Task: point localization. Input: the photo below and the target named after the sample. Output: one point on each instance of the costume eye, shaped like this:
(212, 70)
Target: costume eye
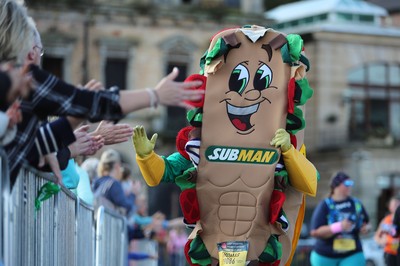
(239, 79)
(263, 78)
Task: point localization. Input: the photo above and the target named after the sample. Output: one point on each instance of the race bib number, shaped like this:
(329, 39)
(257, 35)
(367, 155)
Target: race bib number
(394, 246)
(344, 244)
(233, 253)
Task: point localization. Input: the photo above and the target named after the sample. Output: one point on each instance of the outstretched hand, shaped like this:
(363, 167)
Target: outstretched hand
(85, 144)
(171, 92)
(113, 133)
(142, 144)
(282, 140)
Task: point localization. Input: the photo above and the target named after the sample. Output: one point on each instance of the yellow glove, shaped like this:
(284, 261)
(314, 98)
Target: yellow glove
(142, 144)
(282, 140)
(150, 164)
(302, 173)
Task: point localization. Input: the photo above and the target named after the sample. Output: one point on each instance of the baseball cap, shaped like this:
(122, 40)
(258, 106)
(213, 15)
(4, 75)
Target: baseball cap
(339, 178)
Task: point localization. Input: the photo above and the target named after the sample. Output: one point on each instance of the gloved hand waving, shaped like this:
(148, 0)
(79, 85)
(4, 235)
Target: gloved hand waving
(142, 144)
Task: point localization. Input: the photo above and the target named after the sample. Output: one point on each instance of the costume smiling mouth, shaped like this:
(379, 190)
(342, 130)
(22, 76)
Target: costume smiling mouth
(240, 116)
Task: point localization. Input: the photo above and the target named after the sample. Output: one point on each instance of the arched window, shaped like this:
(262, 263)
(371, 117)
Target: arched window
(374, 94)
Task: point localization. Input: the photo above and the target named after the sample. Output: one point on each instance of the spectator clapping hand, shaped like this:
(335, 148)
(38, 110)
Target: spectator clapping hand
(113, 133)
(85, 144)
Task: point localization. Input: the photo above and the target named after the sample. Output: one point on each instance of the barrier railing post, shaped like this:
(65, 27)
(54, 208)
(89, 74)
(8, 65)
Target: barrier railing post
(99, 246)
(85, 233)
(4, 217)
(111, 238)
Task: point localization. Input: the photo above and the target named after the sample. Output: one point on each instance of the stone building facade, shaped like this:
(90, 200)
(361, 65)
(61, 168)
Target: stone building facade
(133, 44)
(353, 119)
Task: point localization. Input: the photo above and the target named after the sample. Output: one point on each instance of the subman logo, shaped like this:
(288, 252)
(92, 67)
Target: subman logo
(241, 155)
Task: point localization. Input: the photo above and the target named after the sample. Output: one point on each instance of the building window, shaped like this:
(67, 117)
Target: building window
(345, 16)
(304, 21)
(177, 51)
(176, 116)
(375, 101)
(116, 59)
(366, 18)
(115, 72)
(57, 58)
(54, 65)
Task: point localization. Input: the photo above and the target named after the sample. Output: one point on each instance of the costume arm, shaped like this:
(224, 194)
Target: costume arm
(152, 167)
(301, 172)
(157, 168)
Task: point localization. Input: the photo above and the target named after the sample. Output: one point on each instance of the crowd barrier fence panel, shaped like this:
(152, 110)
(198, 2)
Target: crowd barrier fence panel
(86, 234)
(111, 238)
(62, 233)
(65, 232)
(4, 197)
(146, 246)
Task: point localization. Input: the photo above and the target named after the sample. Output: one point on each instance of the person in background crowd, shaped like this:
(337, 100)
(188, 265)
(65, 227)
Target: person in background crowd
(129, 184)
(90, 166)
(177, 239)
(396, 233)
(336, 223)
(384, 234)
(108, 185)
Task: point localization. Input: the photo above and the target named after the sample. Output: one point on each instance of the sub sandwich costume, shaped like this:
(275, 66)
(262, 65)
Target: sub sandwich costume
(241, 163)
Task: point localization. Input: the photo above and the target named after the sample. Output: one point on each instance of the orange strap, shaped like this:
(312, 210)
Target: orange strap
(297, 230)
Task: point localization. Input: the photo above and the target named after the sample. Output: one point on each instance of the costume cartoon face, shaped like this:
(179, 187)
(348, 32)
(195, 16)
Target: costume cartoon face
(253, 91)
(247, 95)
(245, 103)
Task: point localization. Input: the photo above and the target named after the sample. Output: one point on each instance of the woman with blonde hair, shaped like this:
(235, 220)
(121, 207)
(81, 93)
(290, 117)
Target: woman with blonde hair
(109, 186)
(16, 34)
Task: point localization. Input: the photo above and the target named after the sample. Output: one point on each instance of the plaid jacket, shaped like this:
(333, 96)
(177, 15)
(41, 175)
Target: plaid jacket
(55, 97)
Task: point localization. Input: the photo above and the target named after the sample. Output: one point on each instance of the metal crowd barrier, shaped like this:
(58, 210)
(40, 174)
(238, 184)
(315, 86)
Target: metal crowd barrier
(111, 238)
(86, 236)
(4, 190)
(63, 232)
